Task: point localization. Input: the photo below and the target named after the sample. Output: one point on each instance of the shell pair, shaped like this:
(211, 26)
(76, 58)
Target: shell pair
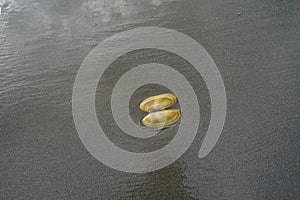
(158, 117)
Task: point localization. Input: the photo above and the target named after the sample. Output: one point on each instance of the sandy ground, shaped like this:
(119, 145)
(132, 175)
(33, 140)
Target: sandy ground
(255, 45)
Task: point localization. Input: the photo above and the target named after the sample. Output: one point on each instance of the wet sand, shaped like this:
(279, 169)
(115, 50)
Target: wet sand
(255, 45)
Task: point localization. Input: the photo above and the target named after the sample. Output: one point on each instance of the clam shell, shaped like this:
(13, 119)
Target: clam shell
(158, 102)
(161, 119)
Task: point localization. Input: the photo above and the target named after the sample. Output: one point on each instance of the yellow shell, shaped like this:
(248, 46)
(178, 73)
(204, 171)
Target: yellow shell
(158, 102)
(161, 119)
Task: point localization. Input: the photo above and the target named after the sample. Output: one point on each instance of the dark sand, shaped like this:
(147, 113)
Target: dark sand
(256, 46)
